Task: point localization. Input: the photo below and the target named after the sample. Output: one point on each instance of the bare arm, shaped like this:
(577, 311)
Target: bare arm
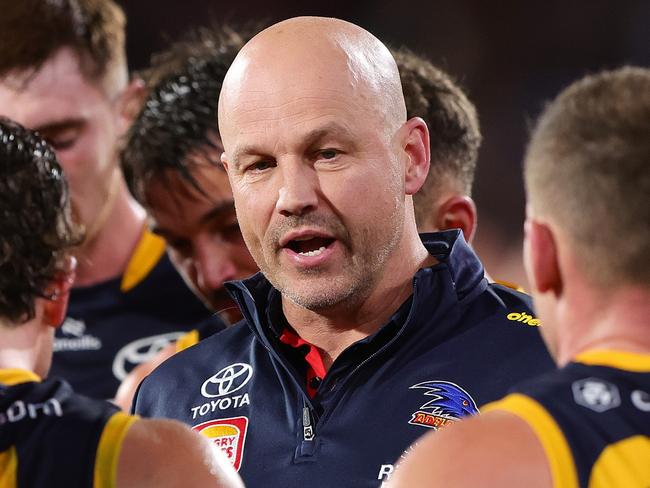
(496, 449)
(166, 453)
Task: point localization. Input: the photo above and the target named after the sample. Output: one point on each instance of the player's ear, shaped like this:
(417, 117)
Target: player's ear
(130, 103)
(55, 307)
(541, 258)
(224, 160)
(458, 212)
(416, 147)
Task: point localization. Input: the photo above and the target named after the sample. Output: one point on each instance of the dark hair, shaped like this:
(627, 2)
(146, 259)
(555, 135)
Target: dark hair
(588, 168)
(454, 130)
(179, 116)
(31, 31)
(35, 226)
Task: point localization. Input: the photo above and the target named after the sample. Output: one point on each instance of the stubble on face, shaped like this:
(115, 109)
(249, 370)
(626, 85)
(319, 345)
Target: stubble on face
(366, 250)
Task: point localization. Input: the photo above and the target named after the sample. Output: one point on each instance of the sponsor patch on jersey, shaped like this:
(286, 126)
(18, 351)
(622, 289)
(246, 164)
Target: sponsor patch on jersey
(641, 400)
(523, 318)
(73, 337)
(227, 434)
(596, 394)
(227, 380)
(140, 351)
(449, 403)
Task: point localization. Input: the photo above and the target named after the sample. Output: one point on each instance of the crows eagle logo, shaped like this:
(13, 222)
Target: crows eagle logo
(448, 400)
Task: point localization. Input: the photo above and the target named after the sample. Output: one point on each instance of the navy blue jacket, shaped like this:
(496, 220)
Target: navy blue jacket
(459, 342)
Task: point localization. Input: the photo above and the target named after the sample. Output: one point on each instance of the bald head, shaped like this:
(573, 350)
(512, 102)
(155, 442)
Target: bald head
(306, 55)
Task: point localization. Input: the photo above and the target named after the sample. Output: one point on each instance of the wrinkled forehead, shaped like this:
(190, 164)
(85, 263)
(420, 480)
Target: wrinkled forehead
(259, 111)
(310, 73)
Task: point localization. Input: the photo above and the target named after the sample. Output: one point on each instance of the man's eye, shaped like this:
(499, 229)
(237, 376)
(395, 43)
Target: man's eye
(328, 153)
(60, 143)
(260, 166)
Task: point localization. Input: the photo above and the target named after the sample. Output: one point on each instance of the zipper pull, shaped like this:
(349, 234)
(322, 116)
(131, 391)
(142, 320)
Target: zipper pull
(307, 429)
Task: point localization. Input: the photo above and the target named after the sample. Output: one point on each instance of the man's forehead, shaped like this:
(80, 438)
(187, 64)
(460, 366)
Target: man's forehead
(50, 96)
(294, 113)
(206, 182)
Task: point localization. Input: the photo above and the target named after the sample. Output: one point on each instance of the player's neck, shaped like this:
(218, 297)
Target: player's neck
(20, 345)
(618, 321)
(334, 329)
(108, 253)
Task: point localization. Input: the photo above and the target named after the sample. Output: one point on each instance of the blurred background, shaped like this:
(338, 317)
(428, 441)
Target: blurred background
(510, 56)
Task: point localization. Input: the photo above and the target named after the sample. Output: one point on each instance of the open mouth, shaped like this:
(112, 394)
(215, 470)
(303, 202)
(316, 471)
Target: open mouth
(309, 246)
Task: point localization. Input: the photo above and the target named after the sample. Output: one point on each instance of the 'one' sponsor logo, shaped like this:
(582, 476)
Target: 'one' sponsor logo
(524, 318)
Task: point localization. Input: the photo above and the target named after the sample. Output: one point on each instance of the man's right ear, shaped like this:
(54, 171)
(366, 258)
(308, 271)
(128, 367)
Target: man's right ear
(224, 160)
(541, 258)
(130, 103)
(458, 212)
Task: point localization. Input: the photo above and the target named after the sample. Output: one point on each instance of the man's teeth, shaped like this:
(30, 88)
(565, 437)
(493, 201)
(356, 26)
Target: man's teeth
(315, 252)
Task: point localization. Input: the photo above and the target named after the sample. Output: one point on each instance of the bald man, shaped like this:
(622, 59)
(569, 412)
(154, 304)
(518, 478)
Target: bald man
(586, 424)
(358, 336)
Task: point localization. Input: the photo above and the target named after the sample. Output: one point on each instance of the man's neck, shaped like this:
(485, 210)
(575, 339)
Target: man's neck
(20, 345)
(617, 320)
(108, 252)
(336, 328)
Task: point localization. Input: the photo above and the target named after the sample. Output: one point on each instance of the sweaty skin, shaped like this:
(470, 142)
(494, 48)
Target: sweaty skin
(322, 168)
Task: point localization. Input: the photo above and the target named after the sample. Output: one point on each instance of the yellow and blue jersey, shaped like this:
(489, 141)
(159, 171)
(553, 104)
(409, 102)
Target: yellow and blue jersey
(592, 418)
(49, 436)
(115, 325)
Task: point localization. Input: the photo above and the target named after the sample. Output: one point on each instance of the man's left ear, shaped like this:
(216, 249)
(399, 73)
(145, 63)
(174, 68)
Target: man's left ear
(129, 104)
(541, 258)
(458, 212)
(56, 306)
(416, 147)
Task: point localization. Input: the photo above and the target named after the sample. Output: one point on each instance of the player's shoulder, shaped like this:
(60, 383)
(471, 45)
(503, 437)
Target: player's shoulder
(192, 462)
(571, 384)
(504, 306)
(58, 399)
(433, 459)
(511, 295)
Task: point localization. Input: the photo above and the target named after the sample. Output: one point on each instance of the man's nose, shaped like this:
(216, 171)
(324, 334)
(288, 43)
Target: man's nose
(298, 193)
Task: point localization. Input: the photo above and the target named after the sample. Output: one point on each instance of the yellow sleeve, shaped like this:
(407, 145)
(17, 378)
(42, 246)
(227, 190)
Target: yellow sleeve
(187, 340)
(9, 468)
(109, 448)
(555, 445)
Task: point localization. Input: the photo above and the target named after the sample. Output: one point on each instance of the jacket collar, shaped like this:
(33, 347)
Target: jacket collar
(254, 295)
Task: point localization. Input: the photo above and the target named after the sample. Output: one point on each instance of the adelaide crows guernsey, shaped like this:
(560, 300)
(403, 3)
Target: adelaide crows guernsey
(592, 418)
(50, 436)
(455, 344)
(115, 325)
